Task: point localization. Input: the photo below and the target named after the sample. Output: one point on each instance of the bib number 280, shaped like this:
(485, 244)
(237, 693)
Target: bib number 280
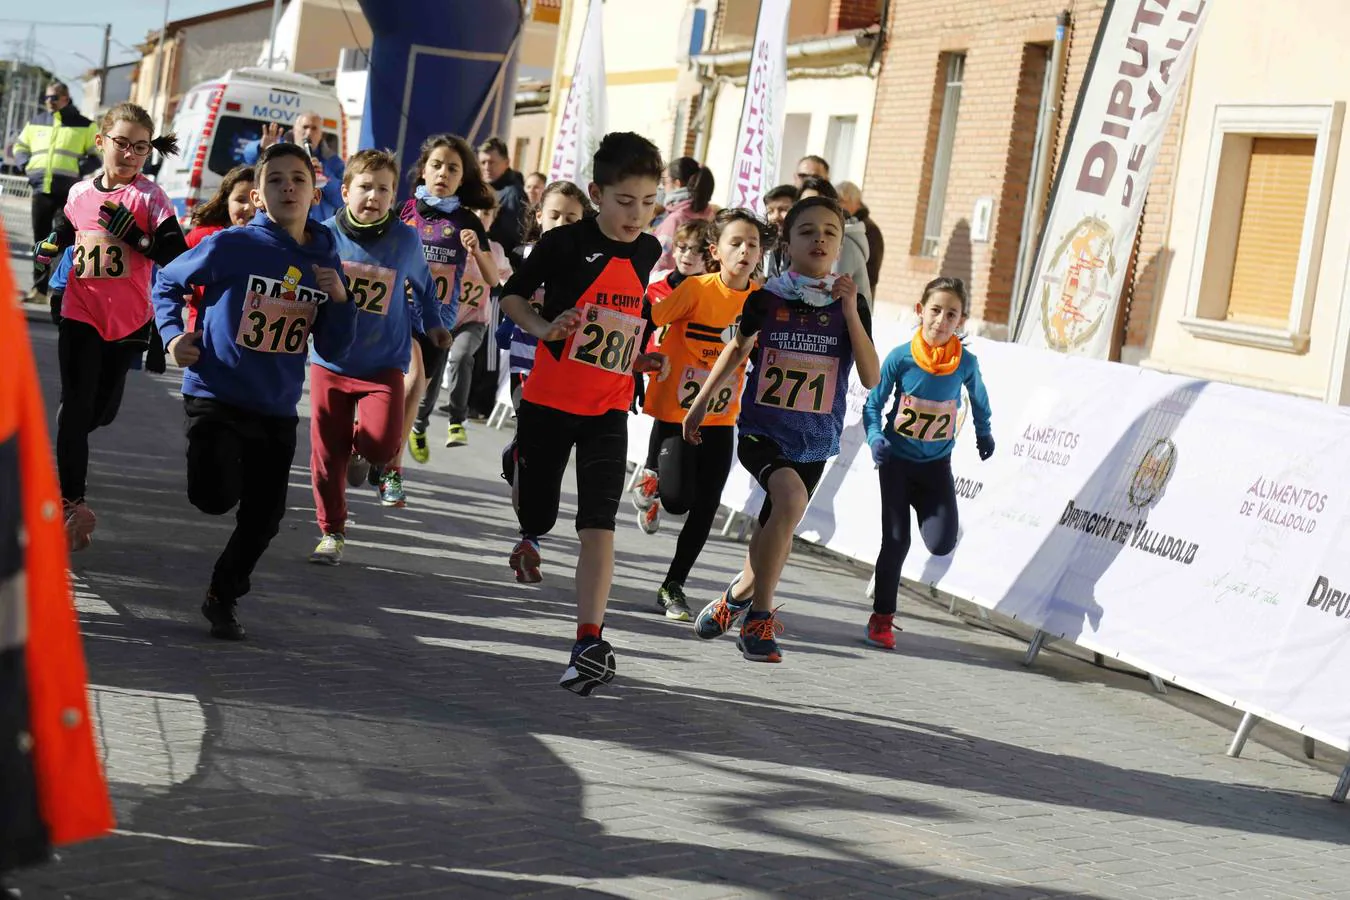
(608, 340)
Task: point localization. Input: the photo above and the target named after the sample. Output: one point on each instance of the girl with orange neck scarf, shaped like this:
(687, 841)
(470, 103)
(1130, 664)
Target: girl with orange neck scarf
(912, 420)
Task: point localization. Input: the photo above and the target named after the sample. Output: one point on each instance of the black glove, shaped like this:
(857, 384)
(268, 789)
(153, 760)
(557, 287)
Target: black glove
(44, 252)
(54, 301)
(985, 443)
(119, 221)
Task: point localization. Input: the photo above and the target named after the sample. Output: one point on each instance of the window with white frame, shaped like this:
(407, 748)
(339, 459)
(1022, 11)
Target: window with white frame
(1263, 216)
(839, 146)
(942, 154)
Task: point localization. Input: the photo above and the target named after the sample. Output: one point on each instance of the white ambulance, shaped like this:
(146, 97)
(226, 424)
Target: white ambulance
(217, 119)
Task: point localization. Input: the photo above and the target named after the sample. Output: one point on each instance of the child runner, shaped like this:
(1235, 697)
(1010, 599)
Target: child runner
(811, 331)
(700, 319)
(382, 259)
(232, 205)
(590, 330)
(268, 288)
(475, 308)
(120, 224)
(691, 247)
(912, 441)
(448, 185)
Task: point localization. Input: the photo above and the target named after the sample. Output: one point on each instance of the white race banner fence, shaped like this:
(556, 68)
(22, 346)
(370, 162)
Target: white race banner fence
(1197, 531)
(759, 140)
(585, 111)
(1143, 51)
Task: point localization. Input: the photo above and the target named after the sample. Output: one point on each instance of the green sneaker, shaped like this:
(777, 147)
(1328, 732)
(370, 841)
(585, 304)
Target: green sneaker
(391, 489)
(457, 436)
(329, 551)
(670, 598)
(418, 448)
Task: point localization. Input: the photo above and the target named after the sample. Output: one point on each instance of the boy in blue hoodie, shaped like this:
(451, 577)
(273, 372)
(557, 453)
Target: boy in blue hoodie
(380, 255)
(268, 287)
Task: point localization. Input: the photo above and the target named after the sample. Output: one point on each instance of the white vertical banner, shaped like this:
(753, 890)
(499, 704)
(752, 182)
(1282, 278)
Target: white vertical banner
(759, 140)
(583, 119)
(1142, 54)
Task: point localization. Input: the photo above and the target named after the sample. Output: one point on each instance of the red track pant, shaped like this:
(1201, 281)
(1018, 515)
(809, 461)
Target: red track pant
(337, 401)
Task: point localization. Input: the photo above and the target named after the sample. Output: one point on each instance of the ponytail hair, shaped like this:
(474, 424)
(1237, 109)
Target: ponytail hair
(165, 144)
(696, 178)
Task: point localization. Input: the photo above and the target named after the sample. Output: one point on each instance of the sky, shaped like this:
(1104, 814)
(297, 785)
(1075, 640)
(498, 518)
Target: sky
(61, 48)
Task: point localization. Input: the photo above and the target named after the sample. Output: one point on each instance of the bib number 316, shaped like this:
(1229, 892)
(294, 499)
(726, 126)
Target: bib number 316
(608, 340)
(274, 325)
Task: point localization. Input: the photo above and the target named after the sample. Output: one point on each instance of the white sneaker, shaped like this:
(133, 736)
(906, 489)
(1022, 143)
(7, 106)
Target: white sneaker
(329, 551)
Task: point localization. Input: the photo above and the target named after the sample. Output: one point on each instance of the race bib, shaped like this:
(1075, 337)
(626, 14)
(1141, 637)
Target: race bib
(98, 254)
(371, 287)
(925, 420)
(801, 382)
(274, 325)
(472, 293)
(692, 381)
(608, 340)
(444, 274)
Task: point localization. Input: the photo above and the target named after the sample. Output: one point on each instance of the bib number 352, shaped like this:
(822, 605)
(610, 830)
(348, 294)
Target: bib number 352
(371, 286)
(274, 325)
(801, 382)
(608, 340)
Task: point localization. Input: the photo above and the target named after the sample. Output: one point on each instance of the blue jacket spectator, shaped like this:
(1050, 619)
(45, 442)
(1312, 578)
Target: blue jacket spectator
(329, 167)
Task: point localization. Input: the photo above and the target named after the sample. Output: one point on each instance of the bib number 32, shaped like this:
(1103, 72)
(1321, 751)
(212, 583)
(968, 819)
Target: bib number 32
(608, 340)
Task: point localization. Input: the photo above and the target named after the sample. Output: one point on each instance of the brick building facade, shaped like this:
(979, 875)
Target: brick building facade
(992, 56)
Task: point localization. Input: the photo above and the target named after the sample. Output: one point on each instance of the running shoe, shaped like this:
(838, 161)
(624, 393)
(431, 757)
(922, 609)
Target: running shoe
(671, 600)
(358, 470)
(456, 436)
(881, 631)
(223, 618)
(80, 523)
(758, 640)
(509, 463)
(525, 561)
(391, 489)
(715, 619)
(329, 551)
(418, 448)
(592, 665)
(646, 491)
(374, 476)
(649, 519)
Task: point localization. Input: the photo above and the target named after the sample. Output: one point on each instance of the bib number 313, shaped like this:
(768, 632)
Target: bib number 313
(801, 382)
(98, 255)
(608, 340)
(274, 325)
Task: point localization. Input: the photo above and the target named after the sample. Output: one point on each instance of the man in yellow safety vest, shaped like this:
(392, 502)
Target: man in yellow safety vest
(55, 150)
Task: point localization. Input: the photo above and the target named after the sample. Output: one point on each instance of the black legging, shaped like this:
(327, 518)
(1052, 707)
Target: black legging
(692, 478)
(929, 488)
(93, 377)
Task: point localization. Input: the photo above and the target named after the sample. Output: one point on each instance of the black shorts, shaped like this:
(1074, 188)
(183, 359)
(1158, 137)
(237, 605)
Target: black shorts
(544, 440)
(761, 457)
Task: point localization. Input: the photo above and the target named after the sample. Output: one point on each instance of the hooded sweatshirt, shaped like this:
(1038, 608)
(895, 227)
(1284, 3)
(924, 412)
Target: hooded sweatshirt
(379, 260)
(260, 305)
(853, 256)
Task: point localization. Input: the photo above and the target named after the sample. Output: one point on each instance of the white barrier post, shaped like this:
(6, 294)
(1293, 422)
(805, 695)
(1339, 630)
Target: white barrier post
(1240, 736)
(1342, 786)
(1158, 686)
(1034, 648)
(1309, 747)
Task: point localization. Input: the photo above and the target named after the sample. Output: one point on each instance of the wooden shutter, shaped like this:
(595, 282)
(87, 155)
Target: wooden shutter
(1271, 230)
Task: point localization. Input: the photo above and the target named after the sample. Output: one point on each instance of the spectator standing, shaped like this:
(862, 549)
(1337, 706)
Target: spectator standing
(328, 166)
(55, 150)
(510, 187)
(851, 199)
(688, 190)
(811, 167)
(535, 182)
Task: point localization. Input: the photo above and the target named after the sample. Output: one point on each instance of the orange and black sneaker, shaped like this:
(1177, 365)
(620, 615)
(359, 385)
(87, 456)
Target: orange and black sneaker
(881, 631)
(646, 491)
(525, 561)
(758, 640)
(716, 619)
